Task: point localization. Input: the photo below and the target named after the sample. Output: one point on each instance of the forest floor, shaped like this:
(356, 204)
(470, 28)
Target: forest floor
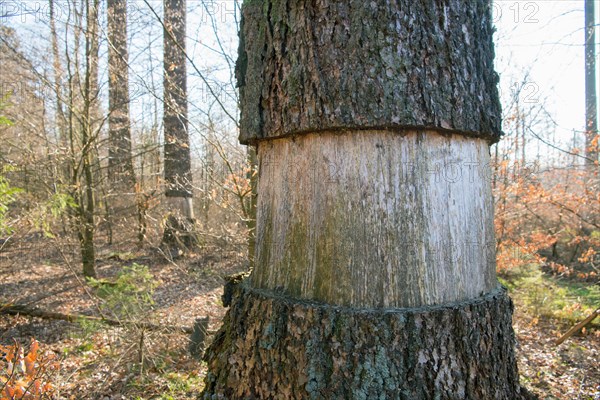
(99, 362)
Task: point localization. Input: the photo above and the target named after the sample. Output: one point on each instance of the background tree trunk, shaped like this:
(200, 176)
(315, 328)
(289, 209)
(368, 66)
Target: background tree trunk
(375, 262)
(591, 99)
(179, 228)
(87, 203)
(61, 122)
(120, 165)
(121, 199)
(93, 31)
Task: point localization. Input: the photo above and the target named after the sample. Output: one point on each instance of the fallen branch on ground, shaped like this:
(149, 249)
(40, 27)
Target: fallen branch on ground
(579, 326)
(19, 309)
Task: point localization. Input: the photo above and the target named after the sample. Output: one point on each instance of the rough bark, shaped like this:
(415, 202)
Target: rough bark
(179, 227)
(120, 164)
(308, 66)
(178, 175)
(274, 347)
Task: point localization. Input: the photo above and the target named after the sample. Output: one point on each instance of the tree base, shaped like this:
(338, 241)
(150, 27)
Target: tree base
(180, 235)
(274, 347)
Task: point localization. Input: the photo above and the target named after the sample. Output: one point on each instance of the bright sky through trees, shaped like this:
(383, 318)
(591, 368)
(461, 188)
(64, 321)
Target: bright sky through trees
(539, 45)
(542, 43)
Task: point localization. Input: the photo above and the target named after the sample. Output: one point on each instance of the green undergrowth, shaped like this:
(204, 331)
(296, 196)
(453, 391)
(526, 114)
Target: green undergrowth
(549, 297)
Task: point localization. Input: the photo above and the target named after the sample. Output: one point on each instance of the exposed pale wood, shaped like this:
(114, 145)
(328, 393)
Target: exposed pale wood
(180, 233)
(375, 219)
(184, 206)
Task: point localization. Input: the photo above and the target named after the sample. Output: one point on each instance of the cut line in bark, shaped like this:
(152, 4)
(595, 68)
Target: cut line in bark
(400, 130)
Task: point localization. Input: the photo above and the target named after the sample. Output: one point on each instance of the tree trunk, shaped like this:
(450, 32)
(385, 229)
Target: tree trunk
(375, 258)
(282, 348)
(61, 168)
(61, 122)
(87, 203)
(121, 175)
(179, 226)
(591, 99)
(93, 8)
(120, 165)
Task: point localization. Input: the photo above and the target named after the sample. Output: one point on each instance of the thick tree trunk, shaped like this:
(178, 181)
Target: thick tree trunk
(375, 261)
(179, 226)
(274, 347)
